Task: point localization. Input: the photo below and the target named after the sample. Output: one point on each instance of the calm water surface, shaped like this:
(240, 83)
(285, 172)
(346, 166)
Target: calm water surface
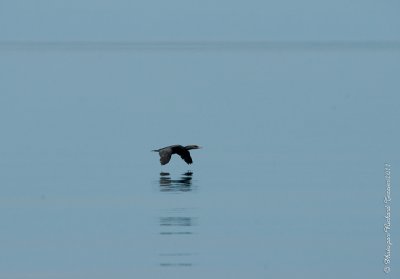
(289, 183)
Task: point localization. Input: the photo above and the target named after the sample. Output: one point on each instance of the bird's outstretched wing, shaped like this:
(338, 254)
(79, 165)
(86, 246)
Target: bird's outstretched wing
(185, 155)
(165, 156)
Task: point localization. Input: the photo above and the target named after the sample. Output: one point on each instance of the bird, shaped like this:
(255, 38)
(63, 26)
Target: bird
(183, 151)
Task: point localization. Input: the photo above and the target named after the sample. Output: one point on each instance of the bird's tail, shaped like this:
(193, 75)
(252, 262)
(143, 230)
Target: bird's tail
(156, 150)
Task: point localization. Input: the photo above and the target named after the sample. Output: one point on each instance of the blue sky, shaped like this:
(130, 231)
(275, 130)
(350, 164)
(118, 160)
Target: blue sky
(199, 20)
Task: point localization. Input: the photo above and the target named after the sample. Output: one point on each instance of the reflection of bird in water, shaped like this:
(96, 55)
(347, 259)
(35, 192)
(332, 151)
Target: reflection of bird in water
(183, 151)
(183, 184)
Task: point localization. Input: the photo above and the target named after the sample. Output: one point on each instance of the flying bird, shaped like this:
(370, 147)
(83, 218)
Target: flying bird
(183, 151)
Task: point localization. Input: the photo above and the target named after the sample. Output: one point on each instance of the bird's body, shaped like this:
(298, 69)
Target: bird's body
(183, 151)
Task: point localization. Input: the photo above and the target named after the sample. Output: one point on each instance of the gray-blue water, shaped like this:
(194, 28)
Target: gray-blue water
(289, 183)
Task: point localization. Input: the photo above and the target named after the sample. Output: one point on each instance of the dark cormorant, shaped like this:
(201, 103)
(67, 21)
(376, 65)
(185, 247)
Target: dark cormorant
(183, 151)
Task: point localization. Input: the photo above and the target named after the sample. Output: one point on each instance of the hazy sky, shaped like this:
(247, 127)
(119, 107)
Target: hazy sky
(199, 20)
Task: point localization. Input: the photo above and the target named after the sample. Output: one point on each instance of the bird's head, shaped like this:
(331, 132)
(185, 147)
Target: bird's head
(189, 147)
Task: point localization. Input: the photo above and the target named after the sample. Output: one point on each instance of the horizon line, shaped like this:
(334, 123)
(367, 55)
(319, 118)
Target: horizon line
(199, 45)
